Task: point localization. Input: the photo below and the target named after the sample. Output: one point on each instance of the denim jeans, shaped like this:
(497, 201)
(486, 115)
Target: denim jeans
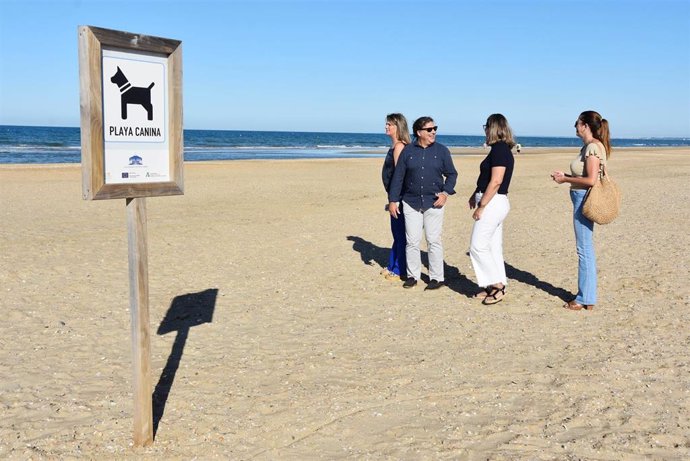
(584, 243)
(397, 262)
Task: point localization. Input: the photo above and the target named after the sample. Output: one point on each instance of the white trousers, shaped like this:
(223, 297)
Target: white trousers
(486, 243)
(431, 222)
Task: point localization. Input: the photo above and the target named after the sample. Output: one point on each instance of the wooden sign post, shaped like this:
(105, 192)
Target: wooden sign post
(132, 148)
(139, 313)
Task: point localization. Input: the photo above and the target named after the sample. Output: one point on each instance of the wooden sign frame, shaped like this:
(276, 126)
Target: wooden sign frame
(92, 41)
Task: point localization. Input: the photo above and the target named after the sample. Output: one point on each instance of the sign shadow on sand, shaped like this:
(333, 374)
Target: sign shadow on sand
(186, 311)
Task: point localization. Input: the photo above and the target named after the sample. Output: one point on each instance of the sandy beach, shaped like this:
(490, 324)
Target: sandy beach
(274, 337)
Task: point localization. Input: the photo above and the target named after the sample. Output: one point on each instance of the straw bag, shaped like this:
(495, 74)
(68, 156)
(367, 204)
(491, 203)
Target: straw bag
(603, 200)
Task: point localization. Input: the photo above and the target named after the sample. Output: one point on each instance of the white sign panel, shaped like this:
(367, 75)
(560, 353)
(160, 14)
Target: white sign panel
(135, 125)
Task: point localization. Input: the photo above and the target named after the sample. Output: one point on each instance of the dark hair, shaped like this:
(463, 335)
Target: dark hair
(599, 127)
(419, 123)
(400, 123)
(497, 129)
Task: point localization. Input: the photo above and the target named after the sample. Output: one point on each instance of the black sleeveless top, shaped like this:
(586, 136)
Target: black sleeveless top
(388, 169)
(499, 155)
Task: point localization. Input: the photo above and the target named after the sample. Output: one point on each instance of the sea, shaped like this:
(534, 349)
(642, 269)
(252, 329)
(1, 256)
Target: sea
(36, 144)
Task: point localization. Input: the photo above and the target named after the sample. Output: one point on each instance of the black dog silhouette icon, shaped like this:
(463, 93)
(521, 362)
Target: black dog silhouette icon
(132, 94)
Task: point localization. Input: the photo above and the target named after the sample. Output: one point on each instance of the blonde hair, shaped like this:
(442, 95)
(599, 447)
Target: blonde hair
(400, 122)
(497, 129)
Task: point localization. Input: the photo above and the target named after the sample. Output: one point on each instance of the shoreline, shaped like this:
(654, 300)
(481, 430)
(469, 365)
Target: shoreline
(455, 151)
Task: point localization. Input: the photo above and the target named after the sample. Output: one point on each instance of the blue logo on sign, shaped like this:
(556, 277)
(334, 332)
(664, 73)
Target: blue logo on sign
(125, 175)
(136, 160)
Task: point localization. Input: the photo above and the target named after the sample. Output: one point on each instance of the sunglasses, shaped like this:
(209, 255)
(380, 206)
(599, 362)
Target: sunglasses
(430, 129)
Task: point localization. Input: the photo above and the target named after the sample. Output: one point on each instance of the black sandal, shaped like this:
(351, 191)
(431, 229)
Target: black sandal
(493, 295)
(481, 294)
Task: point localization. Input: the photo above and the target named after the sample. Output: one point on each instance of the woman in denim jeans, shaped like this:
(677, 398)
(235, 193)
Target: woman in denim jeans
(584, 171)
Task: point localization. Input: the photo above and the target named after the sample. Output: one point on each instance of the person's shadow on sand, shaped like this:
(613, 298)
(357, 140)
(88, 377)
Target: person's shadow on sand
(372, 254)
(185, 312)
(530, 279)
(459, 282)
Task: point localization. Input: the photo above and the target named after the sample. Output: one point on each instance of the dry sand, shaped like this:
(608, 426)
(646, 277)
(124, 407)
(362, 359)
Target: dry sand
(304, 351)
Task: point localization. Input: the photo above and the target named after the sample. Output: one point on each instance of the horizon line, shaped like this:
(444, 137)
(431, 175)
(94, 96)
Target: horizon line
(362, 132)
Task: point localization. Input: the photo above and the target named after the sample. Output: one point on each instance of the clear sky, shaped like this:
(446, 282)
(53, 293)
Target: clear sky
(336, 65)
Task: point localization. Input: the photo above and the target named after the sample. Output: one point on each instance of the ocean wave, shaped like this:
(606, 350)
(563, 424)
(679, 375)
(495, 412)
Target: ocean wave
(23, 144)
(286, 148)
(39, 146)
(248, 148)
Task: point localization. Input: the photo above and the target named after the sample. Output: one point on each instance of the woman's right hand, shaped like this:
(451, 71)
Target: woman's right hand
(558, 177)
(393, 209)
(472, 201)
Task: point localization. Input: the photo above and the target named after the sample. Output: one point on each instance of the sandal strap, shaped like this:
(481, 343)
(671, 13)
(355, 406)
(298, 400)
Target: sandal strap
(495, 290)
(493, 294)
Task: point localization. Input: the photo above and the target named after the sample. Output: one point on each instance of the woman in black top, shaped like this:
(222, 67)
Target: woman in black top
(396, 129)
(491, 206)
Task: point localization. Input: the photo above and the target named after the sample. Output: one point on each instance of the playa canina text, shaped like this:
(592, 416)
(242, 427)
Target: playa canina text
(135, 131)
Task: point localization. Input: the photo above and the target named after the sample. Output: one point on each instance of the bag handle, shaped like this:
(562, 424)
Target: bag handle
(602, 170)
(602, 166)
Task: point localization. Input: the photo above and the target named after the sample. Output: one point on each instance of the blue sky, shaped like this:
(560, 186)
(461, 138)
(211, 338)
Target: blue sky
(335, 65)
